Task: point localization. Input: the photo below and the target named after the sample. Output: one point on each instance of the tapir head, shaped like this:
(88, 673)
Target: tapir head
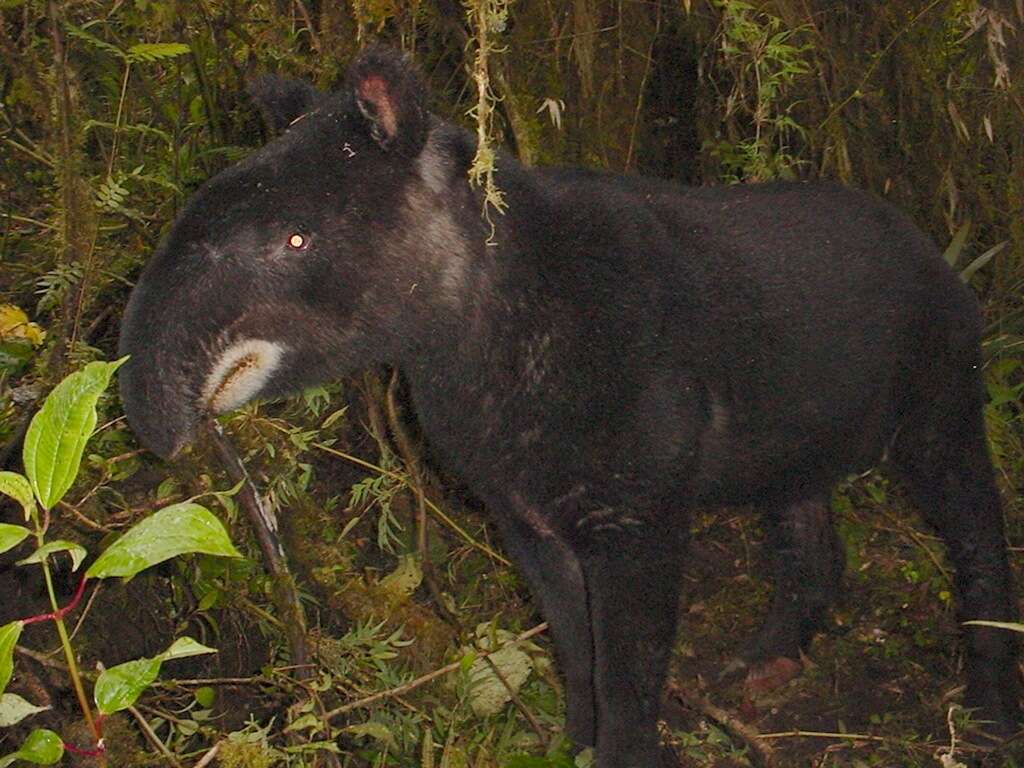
(328, 249)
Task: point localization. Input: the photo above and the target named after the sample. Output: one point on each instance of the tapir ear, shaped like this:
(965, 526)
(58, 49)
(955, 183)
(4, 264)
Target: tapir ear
(390, 95)
(283, 101)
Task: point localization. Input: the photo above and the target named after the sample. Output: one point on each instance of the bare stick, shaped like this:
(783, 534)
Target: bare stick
(421, 681)
(264, 524)
(762, 753)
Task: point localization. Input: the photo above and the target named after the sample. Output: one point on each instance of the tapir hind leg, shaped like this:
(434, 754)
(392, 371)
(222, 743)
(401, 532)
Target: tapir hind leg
(942, 455)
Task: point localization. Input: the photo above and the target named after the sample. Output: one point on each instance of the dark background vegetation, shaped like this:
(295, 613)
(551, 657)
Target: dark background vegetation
(919, 101)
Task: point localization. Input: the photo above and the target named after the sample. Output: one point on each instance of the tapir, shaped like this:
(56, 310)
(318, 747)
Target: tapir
(602, 358)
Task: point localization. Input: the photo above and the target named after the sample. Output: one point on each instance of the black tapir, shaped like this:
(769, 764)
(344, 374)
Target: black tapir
(627, 351)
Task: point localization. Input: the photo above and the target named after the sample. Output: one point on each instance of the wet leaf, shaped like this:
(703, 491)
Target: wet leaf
(42, 747)
(59, 431)
(175, 530)
(118, 687)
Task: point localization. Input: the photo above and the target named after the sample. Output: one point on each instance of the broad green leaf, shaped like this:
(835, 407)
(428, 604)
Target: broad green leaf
(9, 634)
(184, 647)
(11, 536)
(156, 51)
(77, 552)
(174, 530)
(118, 687)
(14, 709)
(42, 747)
(59, 431)
(18, 488)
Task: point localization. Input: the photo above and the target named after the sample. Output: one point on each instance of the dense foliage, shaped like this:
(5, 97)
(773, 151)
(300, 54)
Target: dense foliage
(113, 111)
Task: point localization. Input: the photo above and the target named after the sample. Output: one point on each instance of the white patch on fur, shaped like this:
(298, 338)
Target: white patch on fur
(240, 373)
(433, 167)
(436, 240)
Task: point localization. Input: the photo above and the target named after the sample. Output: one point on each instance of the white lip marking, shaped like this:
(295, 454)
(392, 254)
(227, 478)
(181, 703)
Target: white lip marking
(240, 373)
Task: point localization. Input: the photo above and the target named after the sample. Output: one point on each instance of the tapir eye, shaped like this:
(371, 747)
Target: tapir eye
(298, 241)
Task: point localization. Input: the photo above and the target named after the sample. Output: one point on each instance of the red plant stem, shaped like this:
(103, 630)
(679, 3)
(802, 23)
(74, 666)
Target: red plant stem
(99, 750)
(60, 614)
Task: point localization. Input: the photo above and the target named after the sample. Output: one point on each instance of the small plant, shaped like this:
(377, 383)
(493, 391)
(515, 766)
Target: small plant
(52, 455)
(765, 59)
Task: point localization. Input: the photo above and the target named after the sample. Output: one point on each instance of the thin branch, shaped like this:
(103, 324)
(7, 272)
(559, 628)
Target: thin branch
(424, 679)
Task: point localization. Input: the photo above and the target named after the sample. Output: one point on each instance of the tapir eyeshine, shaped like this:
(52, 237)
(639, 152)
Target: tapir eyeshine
(626, 351)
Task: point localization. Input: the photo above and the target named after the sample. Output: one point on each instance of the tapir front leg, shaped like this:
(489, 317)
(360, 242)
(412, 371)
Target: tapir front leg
(633, 583)
(556, 578)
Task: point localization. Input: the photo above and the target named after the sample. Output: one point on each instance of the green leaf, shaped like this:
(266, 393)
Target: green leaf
(404, 580)
(377, 731)
(156, 51)
(58, 433)
(205, 696)
(9, 634)
(18, 488)
(103, 45)
(118, 687)
(184, 647)
(11, 536)
(77, 552)
(967, 272)
(42, 747)
(174, 530)
(14, 709)
(957, 244)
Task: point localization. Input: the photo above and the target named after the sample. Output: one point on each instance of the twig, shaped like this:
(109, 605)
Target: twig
(762, 753)
(313, 37)
(284, 593)
(42, 658)
(542, 736)
(874, 64)
(208, 757)
(919, 540)
(640, 90)
(823, 735)
(153, 739)
(424, 679)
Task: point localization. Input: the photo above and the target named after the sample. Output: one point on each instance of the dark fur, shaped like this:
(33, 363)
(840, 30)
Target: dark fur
(630, 350)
